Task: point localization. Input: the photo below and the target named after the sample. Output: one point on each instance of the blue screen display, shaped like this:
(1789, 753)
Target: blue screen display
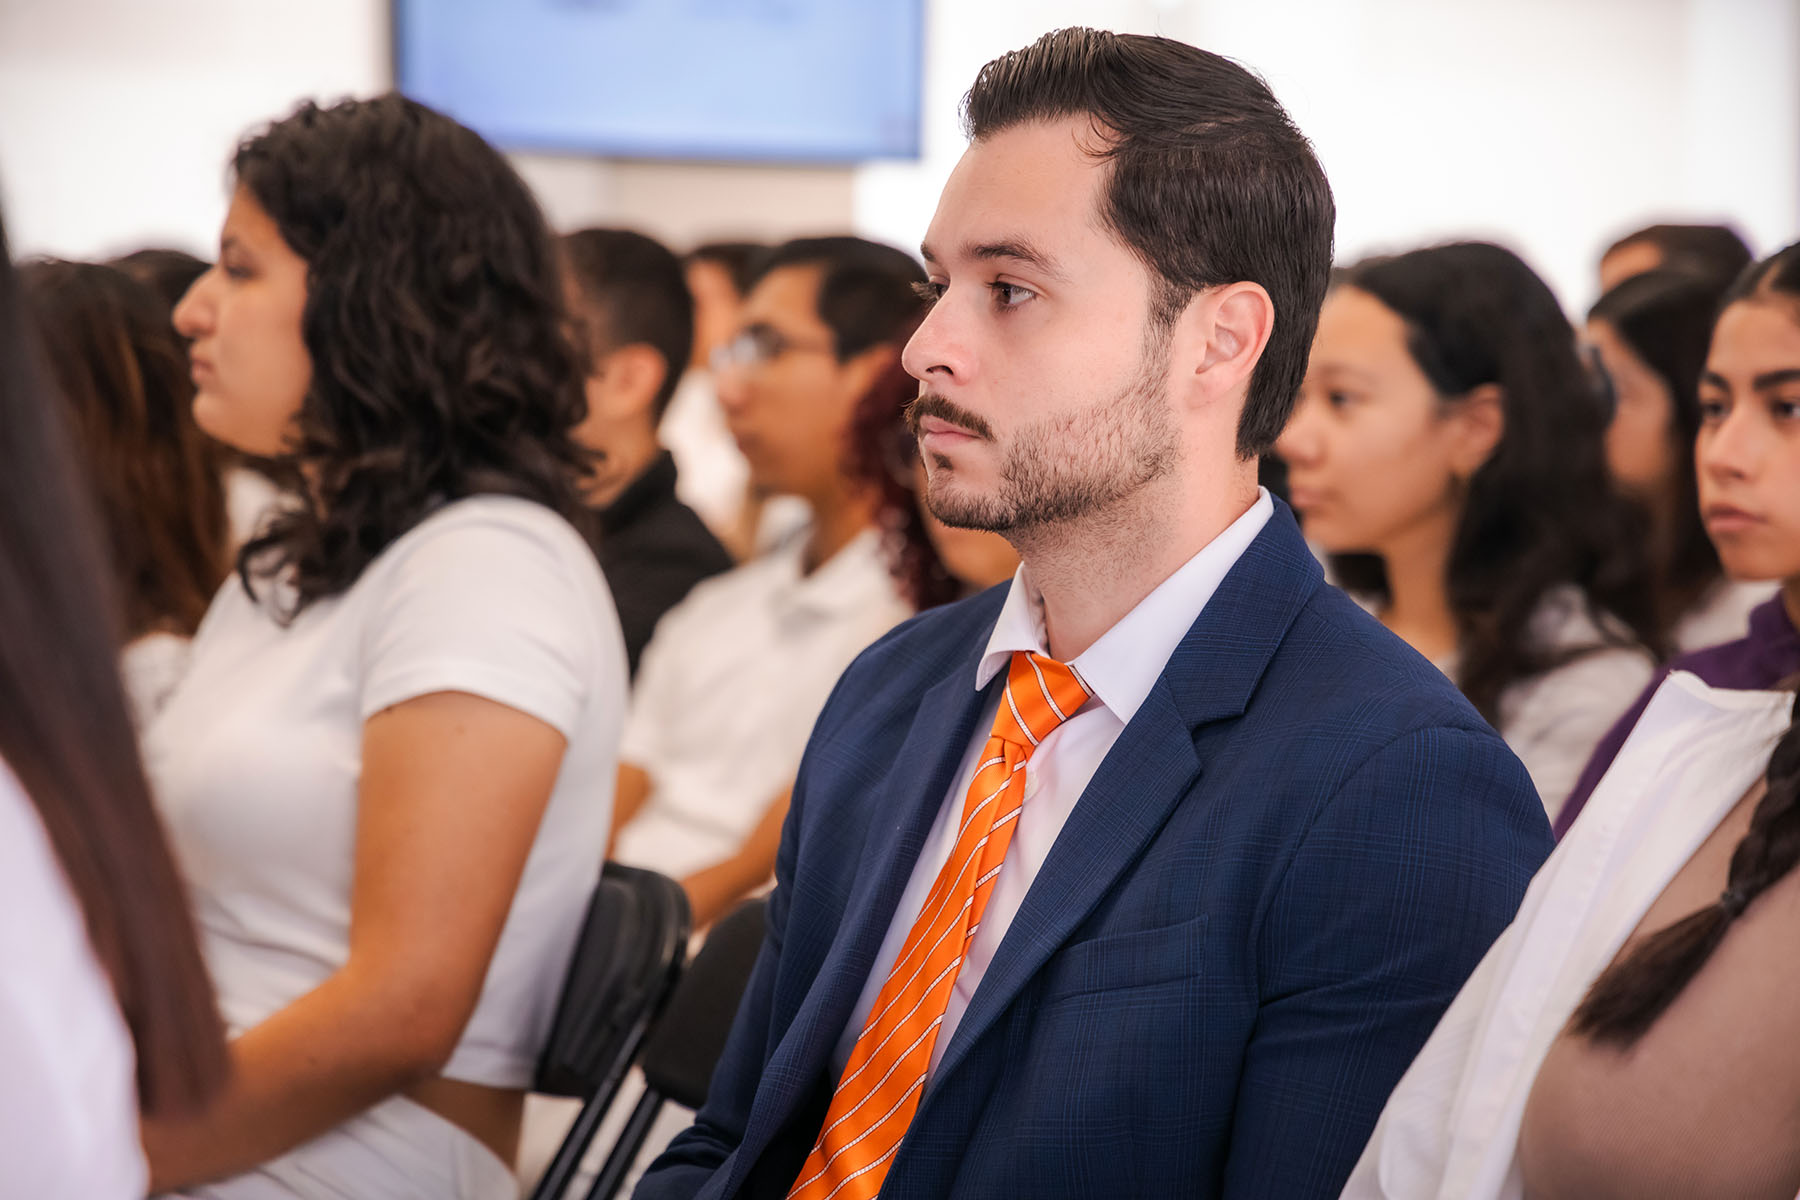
(773, 80)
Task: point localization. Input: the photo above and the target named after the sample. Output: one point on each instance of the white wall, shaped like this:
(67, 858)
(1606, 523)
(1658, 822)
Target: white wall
(1553, 125)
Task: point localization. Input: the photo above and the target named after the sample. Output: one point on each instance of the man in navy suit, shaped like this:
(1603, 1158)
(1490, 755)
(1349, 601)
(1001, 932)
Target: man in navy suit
(1148, 874)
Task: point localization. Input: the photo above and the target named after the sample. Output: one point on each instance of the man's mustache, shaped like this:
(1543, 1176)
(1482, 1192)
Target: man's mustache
(930, 404)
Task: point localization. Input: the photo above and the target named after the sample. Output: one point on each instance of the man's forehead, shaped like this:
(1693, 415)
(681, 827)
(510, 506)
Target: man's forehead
(790, 291)
(1020, 193)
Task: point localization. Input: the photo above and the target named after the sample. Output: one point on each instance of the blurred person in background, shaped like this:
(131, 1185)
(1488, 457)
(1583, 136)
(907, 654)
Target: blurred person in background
(1651, 333)
(1712, 253)
(1631, 1034)
(932, 563)
(117, 363)
(1448, 452)
(106, 1009)
(388, 769)
(253, 490)
(168, 273)
(633, 308)
(714, 478)
(736, 673)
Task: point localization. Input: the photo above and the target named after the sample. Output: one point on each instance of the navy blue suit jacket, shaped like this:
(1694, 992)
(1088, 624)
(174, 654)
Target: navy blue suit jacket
(1276, 881)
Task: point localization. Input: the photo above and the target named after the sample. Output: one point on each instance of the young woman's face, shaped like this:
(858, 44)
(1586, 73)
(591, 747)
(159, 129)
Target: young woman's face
(250, 365)
(1372, 450)
(1640, 445)
(1748, 452)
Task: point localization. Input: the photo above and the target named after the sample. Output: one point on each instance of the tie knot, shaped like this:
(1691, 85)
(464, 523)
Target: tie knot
(1041, 694)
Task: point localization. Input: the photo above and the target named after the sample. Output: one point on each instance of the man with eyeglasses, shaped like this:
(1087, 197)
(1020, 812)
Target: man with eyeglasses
(736, 674)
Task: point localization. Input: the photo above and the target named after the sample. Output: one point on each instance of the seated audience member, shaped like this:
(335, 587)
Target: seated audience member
(736, 673)
(932, 563)
(1713, 254)
(714, 478)
(1447, 451)
(117, 363)
(635, 312)
(1631, 1034)
(251, 493)
(388, 769)
(106, 1008)
(1148, 873)
(1651, 333)
(1770, 652)
(167, 273)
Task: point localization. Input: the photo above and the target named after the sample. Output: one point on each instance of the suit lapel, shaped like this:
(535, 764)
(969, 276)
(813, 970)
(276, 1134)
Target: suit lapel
(910, 798)
(1151, 768)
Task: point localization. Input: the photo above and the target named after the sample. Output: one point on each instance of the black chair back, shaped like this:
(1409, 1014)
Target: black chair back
(685, 1044)
(629, 955)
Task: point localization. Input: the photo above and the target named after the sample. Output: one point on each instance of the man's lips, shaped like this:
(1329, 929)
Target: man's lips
(939, 430)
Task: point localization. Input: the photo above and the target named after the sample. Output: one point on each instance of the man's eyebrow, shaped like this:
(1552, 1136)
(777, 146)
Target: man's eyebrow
(1017, 251)
(1775, 379)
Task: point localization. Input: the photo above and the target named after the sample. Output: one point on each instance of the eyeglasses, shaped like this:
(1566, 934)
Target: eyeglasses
(760, 344)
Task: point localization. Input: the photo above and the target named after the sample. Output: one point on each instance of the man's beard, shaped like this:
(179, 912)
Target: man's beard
(1064, 467)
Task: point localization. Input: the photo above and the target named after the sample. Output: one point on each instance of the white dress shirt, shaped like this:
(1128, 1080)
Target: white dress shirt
(1450, 1130)
(1120, 669)
(729, 688)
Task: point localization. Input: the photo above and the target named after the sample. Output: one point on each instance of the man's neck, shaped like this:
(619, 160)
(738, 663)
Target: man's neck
(836, 521)
(628, 456)
(1093, 572)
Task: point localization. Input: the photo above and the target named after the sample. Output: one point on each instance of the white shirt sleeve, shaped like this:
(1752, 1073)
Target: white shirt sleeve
(495, 600)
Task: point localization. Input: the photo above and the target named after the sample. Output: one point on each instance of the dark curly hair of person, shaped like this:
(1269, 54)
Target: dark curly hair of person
(881, 453)
(1540, 513)
(442, 365)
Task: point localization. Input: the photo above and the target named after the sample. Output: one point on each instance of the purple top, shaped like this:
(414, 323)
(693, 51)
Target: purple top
(1762, 660)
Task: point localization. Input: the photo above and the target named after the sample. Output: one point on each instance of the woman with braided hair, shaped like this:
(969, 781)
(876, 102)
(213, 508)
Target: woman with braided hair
(1633, 1032)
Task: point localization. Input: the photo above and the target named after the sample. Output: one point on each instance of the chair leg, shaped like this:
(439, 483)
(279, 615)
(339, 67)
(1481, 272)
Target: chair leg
(625, 1150)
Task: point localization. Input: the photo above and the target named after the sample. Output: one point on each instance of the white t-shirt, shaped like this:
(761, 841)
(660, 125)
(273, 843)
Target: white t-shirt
(729, 688)
(150, 668)
(257, 756)
(68, 1087)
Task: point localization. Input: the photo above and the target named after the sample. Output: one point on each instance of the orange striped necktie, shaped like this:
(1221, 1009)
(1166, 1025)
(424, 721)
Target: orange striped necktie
(875, 1100)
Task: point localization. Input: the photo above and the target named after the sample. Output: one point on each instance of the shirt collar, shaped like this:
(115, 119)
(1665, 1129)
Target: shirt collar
(1123, 665)
(847, 581)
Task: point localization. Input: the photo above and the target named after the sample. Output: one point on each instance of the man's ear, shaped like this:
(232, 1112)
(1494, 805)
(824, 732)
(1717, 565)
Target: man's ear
(630, 377)
(1223, 334)
(1480, 417)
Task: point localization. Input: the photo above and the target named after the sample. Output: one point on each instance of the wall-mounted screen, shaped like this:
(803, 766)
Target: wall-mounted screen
(770, 80)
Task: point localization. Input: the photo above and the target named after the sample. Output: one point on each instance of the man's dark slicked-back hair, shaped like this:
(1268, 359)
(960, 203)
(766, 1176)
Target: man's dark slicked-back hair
(637, 293)
(1211, 182)
(868, 292)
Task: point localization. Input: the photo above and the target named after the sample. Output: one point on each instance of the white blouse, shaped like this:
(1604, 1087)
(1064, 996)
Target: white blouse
(68, 1085)
(1450, 1130)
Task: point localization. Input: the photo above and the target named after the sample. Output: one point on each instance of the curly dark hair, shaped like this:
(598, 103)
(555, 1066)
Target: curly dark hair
(881, 452)
(442, 361)
(1666, 318)
(1541, 512)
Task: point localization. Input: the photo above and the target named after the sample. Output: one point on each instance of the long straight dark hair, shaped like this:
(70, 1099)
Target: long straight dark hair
(123, 371)
(1632, 993)
(67, 736)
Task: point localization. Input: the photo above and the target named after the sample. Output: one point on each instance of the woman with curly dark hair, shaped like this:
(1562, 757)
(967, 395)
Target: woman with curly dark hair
(123, 372)
(1447, 451)
(388, 770)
